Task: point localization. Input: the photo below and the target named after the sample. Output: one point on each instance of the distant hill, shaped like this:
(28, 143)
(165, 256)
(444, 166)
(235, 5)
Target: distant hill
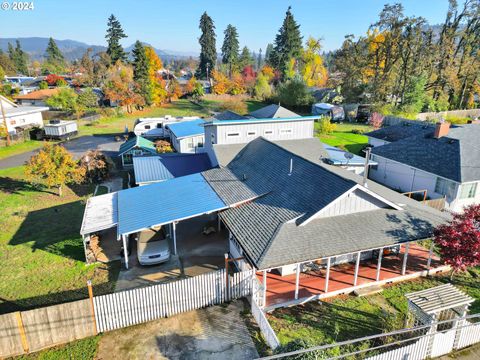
(71, 49)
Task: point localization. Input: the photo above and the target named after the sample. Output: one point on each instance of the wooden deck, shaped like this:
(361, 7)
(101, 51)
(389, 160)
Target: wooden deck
(281, 289)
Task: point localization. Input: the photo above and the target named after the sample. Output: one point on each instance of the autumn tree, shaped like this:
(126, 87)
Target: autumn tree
(221, 83)
(288, 43)
(230, 49)
(376, 120)
(53, 166)
(119, 86)
(87, 99)
(313, 70)
(262, 89)
(208, 50)
(114, 34)
(194, 88)
(459, 240)
(157, 84)
(95, 166)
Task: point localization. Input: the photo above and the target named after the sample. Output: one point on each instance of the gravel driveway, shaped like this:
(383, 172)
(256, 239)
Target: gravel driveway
(77, 147)
(217, 332)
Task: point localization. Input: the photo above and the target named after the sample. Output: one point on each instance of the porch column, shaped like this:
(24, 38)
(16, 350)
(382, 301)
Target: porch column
(357, 266)
(297, 281)
(327, 276)
(125, 249)
(84, 238)
(379, 264)
(405, 257)
(174, 230)
(429, 261)
(264, 288)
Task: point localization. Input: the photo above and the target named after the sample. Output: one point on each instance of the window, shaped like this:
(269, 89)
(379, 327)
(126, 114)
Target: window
(137, 152)
(200, 142)
(233, 134)
(190, 143)
(285, 131)
(159, 125)
(445, 187)
(127, 159)
(251, 133)
(268, 132)
(212, 138)
(147, 127)
(468, 191)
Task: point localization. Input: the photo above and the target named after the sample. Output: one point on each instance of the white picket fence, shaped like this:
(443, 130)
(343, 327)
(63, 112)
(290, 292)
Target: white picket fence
(415, 351)
(265, 328)
(131, 307)
(469, 335)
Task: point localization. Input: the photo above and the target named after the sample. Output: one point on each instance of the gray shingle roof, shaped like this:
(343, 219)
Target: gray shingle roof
(402, 131)
(273, 111)
(229, 115)
(455, 156)
(267, 227)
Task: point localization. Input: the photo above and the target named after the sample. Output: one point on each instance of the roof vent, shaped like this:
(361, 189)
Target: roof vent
(291, 167)
(244, 177)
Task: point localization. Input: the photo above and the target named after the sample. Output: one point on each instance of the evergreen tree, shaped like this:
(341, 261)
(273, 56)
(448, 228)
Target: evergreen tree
(53, 53)
(230, 48)
(140, 72)
(18, 57)
(268, 54)
(259, 60)
(114, 35)
(288, 43)
(246, 58)
(208, 52)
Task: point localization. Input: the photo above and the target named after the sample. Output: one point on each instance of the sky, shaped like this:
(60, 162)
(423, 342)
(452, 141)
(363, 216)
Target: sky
(173, 24)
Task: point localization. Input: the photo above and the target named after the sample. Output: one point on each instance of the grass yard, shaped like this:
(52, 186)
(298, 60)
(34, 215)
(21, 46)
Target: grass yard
(41, 251)
(343, 137)
(85, 349)
(19, 147)
(349, 317)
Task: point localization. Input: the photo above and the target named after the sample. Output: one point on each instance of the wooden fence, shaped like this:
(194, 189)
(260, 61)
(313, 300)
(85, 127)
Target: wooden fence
(33, 330)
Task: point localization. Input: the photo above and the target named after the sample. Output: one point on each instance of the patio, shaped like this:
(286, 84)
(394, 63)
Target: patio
(281, 289)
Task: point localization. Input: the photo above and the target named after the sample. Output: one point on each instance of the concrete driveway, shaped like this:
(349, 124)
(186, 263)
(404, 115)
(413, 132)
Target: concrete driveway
(216, 332)
(77, 147)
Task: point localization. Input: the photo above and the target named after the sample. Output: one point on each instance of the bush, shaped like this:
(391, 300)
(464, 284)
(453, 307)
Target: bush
(65, 99)
(233, 105)
(163, 146)
(262, 89)
(294, 93)
(43, 85)
(325, 126)
(95, 166)
(87, 99)
(358, 131)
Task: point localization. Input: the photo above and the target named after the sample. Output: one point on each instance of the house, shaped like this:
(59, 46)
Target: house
(273, 111)
(309, 229)
(152, 169)
(20, 118)
(61, 129)
(187, 136)
(443, 160)
(229, 115)
(37, 97)
(388, 134)
(136, 146)
(154, 127)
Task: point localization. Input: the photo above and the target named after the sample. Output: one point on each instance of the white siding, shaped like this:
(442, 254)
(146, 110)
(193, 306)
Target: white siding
(182, 145)
(34, 119)
(280, 131)
(458, 204)
(210, 135)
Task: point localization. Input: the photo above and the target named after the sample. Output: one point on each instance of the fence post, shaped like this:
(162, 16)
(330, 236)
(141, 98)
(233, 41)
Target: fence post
(92, 306)
(21, 329)
(226, 278)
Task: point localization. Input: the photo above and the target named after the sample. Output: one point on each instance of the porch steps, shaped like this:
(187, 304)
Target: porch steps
(368, 290)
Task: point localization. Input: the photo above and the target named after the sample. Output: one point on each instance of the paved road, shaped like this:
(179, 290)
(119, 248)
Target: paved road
(76, 146)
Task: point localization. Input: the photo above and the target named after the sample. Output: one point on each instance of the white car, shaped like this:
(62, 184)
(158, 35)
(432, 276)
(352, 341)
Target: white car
(153, 247)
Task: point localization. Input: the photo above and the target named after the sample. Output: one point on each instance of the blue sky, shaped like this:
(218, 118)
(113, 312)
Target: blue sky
(173, 24)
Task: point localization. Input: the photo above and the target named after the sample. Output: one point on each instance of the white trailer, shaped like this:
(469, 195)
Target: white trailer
(155, 127)
(60, 129)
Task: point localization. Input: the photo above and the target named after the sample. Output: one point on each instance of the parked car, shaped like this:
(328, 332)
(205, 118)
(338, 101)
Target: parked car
(363, 113)
(153, 247)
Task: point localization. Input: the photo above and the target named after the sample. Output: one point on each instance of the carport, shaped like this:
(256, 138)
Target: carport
(165, 203)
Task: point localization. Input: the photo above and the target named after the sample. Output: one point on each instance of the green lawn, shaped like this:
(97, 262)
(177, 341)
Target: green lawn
(349, 317)
(343, 137)
(18, 148)
(41, 251)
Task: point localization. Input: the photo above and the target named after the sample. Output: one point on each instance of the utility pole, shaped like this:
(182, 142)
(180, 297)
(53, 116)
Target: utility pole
(5, 122)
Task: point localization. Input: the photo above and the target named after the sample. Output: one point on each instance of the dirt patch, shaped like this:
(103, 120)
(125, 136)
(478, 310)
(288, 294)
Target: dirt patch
(212, 333)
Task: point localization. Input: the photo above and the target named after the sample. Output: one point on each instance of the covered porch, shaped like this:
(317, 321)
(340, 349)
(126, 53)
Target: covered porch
(320, 279)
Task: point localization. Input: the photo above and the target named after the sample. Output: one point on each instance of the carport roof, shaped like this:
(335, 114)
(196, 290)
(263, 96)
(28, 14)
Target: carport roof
(162, 203)
(101, 213)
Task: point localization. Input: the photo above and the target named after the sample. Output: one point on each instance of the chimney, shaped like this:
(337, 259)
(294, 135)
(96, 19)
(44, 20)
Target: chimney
(441, 129)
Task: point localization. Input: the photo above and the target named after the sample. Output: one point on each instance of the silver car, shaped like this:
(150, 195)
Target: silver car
(153, 247)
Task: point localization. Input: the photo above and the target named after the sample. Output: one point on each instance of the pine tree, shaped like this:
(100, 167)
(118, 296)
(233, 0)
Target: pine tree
(18, 57)
(268, 54)
(140, 72)
(208, 52)
(246, 58)
(230, 48)
(53, 53)
(288, 43)
(114, 35)
(259, 60)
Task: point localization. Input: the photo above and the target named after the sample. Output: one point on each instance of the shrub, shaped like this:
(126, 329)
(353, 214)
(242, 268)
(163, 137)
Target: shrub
(325, 126)
(358, 131)
(65, 99)
(95, 166)
(87, 99)
(163, 146)
(294, 93)
(233, 105)
(262, 89)
(43, 85)
(376, 120)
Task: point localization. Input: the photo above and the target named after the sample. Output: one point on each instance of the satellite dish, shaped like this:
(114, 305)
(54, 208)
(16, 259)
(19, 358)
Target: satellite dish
(348, 156)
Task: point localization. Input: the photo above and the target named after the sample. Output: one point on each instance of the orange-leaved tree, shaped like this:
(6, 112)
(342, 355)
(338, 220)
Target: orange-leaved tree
(159, 91)
(54, 166)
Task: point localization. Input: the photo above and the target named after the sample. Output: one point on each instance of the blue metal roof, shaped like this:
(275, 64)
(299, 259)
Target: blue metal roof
(254, 120)
(187, 128)
(336, 156)
(162, 203)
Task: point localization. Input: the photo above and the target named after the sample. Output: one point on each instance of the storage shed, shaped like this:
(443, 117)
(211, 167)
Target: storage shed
(137, 146)
(61, 129)
(187, 136)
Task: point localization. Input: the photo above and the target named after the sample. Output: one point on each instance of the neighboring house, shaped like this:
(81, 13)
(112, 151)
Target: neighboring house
(155, 127)
(285, 216)
(61, 129)
(152, 169)
(273, 111)
(187, 136)
(389, 134)
(229, 115)
(36, 98)
(443, 161)
(137, 146)
(20, 118)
